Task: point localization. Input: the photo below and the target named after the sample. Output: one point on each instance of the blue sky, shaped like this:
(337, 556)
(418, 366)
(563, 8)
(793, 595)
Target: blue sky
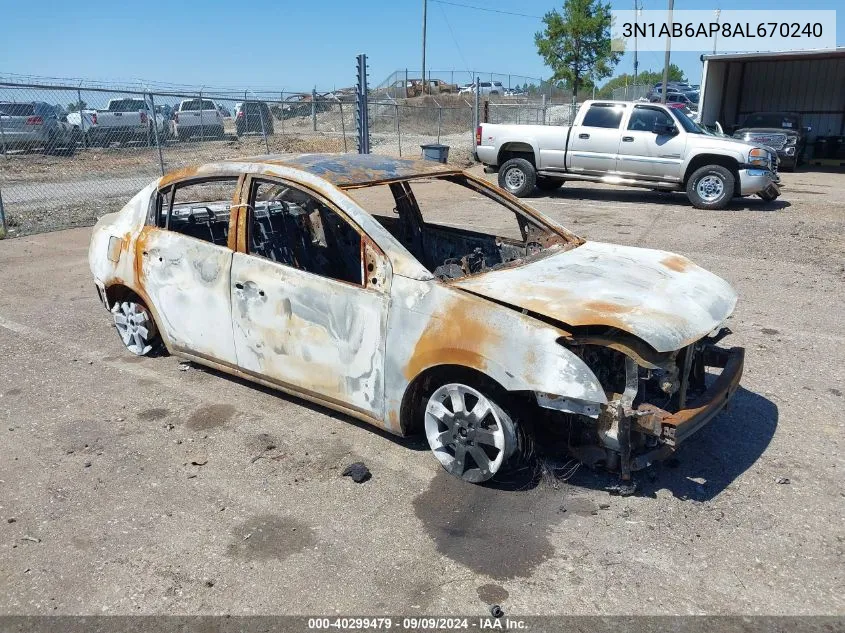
(294, 45)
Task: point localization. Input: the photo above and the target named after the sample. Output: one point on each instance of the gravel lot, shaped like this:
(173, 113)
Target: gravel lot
(147, 486)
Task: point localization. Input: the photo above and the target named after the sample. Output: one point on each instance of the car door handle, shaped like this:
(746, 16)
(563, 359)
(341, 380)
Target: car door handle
(627, 139)
(583, 136)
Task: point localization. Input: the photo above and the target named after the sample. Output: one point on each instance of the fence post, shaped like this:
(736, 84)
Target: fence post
(439, 122)
(81, 119)
(342, 125)
(543, 107)
(202, 128)
(155, 132)
(314, 109)
(261, 118)
(476, 106)
(3, 137)
(362, 115)
(2, 217)
(398, 131)
(282, 109)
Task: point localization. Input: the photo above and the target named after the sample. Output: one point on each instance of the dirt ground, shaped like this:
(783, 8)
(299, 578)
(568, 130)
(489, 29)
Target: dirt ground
(142, 485)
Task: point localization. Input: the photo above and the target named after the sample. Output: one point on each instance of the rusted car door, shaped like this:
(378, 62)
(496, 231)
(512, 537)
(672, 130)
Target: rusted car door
(303, 314)
(186, 266)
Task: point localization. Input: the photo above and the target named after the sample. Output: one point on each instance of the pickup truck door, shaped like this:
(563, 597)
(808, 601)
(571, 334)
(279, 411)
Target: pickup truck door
(594, 144)
(649, 154)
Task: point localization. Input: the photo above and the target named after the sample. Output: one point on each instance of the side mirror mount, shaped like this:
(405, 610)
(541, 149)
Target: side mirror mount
(664, 129)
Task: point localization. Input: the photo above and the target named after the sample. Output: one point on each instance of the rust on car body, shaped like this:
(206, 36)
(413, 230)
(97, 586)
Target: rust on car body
(569, 322)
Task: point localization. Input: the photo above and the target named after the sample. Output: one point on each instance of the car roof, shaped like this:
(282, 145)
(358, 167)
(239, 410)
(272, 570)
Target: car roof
(346, 171)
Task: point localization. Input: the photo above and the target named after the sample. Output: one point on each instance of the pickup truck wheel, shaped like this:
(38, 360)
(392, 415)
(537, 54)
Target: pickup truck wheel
(549, 183)
(518, 177)
(711, 187)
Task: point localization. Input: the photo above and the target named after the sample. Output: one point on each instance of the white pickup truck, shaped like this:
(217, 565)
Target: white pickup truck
(126, 119)
(197, 117)
(630, 144)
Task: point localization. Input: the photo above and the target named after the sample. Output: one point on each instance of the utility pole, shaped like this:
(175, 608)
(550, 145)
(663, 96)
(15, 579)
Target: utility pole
(718, 12)
(665, 87)
(425, 10)
(637, 10)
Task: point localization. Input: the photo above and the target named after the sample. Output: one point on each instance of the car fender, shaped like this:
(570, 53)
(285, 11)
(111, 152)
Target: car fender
(431, 324)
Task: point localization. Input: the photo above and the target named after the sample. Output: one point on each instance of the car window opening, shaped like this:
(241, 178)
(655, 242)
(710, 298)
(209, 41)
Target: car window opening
(420, 213)
(294, 228)
(198, 209)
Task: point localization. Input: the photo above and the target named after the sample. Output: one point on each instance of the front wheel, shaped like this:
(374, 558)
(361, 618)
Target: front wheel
(469, 433)
(518, 177)
(711, 187)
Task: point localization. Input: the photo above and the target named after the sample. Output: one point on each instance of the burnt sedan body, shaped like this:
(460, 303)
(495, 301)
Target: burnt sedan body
(270, 268)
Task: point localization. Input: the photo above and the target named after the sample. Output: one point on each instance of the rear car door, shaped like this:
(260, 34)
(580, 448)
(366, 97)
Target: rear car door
(186, 265)
(646, 154)
(594, 144)
(307, 314)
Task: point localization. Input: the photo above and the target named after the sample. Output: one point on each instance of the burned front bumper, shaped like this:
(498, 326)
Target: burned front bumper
(678, 426)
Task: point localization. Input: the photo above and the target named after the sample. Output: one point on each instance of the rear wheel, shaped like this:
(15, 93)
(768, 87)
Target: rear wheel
(711, 187)
(471, 435)
(549, 183)
(518, 177)
(136, 326)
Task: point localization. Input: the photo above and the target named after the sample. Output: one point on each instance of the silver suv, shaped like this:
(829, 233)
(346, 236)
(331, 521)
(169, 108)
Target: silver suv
(35, 124)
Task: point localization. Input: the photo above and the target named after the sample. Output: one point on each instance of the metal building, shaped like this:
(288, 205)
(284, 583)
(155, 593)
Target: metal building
(810, 82)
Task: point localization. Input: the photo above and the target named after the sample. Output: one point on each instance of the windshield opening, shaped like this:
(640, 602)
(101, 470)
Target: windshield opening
(456, 227)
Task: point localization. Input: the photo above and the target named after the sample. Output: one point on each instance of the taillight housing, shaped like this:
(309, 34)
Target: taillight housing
(93, 118)
(35, 120)
(478, 135)
(143, 117)
(176, 117)
(241, 115)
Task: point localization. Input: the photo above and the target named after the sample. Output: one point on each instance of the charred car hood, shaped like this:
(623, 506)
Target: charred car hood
(662, 298)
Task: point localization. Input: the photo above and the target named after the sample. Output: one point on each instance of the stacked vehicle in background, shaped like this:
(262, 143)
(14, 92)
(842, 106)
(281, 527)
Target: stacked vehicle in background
(782, 131)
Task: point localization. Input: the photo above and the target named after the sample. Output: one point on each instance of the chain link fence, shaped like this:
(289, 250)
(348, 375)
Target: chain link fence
(631, 93)
(72, 152)
(407, 83)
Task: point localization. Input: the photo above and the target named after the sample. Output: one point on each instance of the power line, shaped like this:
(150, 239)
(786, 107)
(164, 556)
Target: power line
(454, 39)
(469, 6)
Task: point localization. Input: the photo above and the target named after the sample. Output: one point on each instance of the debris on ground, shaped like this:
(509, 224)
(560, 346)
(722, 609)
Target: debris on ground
(184, 365)
(496, 611)
(31, 539)
(358, 471)
(622, 489)
(782, 480)
(199, 460)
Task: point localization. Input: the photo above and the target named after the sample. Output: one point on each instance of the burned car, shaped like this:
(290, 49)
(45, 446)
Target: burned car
(346, 280)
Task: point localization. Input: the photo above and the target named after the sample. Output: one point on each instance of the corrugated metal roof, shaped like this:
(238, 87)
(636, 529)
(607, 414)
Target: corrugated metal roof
(816, 53)
(350, 170)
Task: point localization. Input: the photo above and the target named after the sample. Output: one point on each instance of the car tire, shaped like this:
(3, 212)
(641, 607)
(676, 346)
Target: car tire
(711, 187)
(766, 196)
(549, 183)
(469, 430)
(518, 177)
(135, 326)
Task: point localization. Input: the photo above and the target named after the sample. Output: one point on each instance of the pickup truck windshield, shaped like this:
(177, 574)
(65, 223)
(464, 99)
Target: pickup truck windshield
(772, 119)
(688, 124)
(127, 105)
(196, 104)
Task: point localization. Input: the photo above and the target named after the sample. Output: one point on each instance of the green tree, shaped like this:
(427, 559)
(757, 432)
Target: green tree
(644, 78)
(575, 44)
(74, 106)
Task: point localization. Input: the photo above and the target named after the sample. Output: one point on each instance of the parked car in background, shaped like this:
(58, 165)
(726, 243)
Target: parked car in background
(490, 88)
(440, 87)
(629, 144)
(676, 97)
(299, 105)
(253, 117)
(271, 269)
(197, 117)
(782, 131)
(123, 120)
(515, 92)
(34, 125)
(466, 89)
